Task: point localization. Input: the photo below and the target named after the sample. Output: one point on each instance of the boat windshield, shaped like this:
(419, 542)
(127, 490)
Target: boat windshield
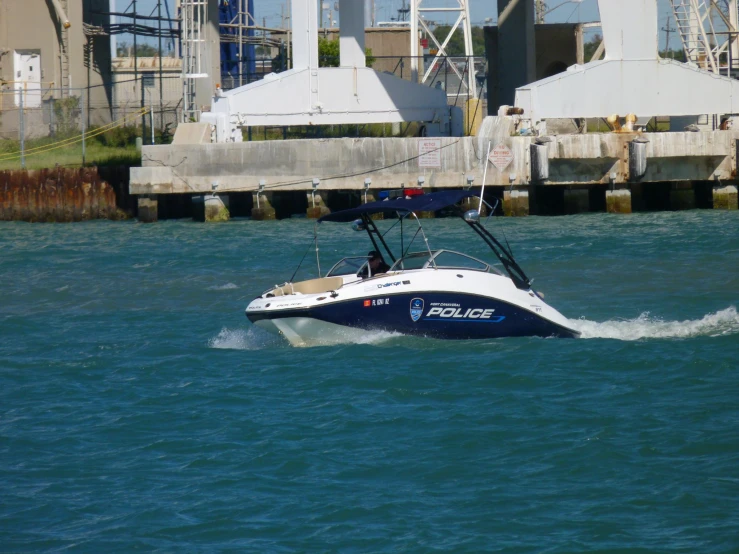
(348, 266)
(443, 259)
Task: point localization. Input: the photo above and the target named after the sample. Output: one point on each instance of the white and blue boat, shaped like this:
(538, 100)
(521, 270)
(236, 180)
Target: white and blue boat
(441, 294)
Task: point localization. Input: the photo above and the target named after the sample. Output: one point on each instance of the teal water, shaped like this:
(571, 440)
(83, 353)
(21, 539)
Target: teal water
(141, 411)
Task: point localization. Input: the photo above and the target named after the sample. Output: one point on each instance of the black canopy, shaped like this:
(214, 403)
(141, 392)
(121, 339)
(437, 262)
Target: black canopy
(422, 203)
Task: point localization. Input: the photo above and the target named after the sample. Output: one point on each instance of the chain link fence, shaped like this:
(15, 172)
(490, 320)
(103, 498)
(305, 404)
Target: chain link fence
(48, 127)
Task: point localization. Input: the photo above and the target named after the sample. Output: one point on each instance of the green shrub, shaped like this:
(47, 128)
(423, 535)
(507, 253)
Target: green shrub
(119, 136)
(66, 116)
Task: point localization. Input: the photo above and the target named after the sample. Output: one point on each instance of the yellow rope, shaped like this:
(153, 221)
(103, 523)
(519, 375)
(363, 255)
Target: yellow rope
(73, 140)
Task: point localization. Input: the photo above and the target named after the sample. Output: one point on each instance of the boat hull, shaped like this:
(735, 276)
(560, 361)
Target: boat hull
(441, 315)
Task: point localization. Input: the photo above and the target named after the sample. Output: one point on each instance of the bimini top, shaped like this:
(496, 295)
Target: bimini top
(423, 203)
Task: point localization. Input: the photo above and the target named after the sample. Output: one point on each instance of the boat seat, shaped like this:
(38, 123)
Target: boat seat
(312, 286)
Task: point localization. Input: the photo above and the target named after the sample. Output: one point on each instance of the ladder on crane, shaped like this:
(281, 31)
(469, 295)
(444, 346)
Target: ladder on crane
(692, 17)
(193, 14)
(418, 22)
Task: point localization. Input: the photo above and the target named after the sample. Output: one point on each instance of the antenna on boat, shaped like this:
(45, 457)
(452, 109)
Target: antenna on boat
(318, 260)
(484, 178)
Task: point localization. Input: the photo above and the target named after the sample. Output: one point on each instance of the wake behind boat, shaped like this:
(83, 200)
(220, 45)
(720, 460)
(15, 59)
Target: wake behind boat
(433, 293)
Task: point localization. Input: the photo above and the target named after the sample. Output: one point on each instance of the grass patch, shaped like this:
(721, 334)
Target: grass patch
(71, 156)
(116, 146)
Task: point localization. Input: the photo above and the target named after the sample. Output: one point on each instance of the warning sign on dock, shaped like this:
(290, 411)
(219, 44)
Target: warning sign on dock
(501, 156)
(429, 153)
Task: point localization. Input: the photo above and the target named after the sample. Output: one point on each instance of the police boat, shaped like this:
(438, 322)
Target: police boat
(434, 293)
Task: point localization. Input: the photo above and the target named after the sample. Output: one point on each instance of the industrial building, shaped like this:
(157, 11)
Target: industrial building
(540, 97)
(534, 158)
(49, 49)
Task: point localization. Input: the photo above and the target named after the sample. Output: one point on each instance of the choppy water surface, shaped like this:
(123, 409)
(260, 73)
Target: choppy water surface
(140, 411)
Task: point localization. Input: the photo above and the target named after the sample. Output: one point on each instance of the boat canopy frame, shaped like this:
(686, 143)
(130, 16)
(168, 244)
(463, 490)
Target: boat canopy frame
(431, 202)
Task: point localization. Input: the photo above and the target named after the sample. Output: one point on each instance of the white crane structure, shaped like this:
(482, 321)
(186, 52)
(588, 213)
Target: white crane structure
(311, 95)
(418, 20)
(632, 79)
(708, 34)
(193, 14)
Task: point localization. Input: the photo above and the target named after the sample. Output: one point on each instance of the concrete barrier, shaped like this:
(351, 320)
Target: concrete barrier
(725, 198)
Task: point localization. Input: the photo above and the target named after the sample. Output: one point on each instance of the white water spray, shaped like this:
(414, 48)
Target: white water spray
(724, 322)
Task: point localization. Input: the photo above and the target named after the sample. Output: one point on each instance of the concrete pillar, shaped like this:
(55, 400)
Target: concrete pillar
(210, 208)
(262, 209)
(516, 203)
(370, 197)
(351, 34)
(516, 49)
(577, 201)
(618, 201)
(316, 205)
(147, 208)
(473, 204)
(682, 196)
(472, 116)
(725, 198)
(216, 208)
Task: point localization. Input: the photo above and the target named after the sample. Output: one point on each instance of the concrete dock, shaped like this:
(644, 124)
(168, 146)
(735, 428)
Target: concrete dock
(613, 172)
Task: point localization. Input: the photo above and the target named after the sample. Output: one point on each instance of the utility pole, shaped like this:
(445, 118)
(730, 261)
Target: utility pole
(734, 39)
(541, 10)
(668, 29)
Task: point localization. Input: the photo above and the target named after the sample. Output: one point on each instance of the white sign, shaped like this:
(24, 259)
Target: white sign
(429, 153)
(501, 156)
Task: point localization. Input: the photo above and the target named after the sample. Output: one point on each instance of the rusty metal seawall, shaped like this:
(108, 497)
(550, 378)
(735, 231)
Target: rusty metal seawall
(56, 195)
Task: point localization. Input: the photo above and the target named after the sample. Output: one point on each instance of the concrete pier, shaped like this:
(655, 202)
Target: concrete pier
(568, 173)
(148, 208)
(725, 198)
(516, 203)
(473, 204)
(262, 210)
(618, 201)
(316, 205)
(370, 197)
(215, 208)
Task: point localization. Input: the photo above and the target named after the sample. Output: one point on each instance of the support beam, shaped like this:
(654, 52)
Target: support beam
(316, 205)
(148, 208)
(351, 34)
(516, 203)
(516, 47)
(304, 23)
(725, 197)
(618, 201)
(262, 210)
